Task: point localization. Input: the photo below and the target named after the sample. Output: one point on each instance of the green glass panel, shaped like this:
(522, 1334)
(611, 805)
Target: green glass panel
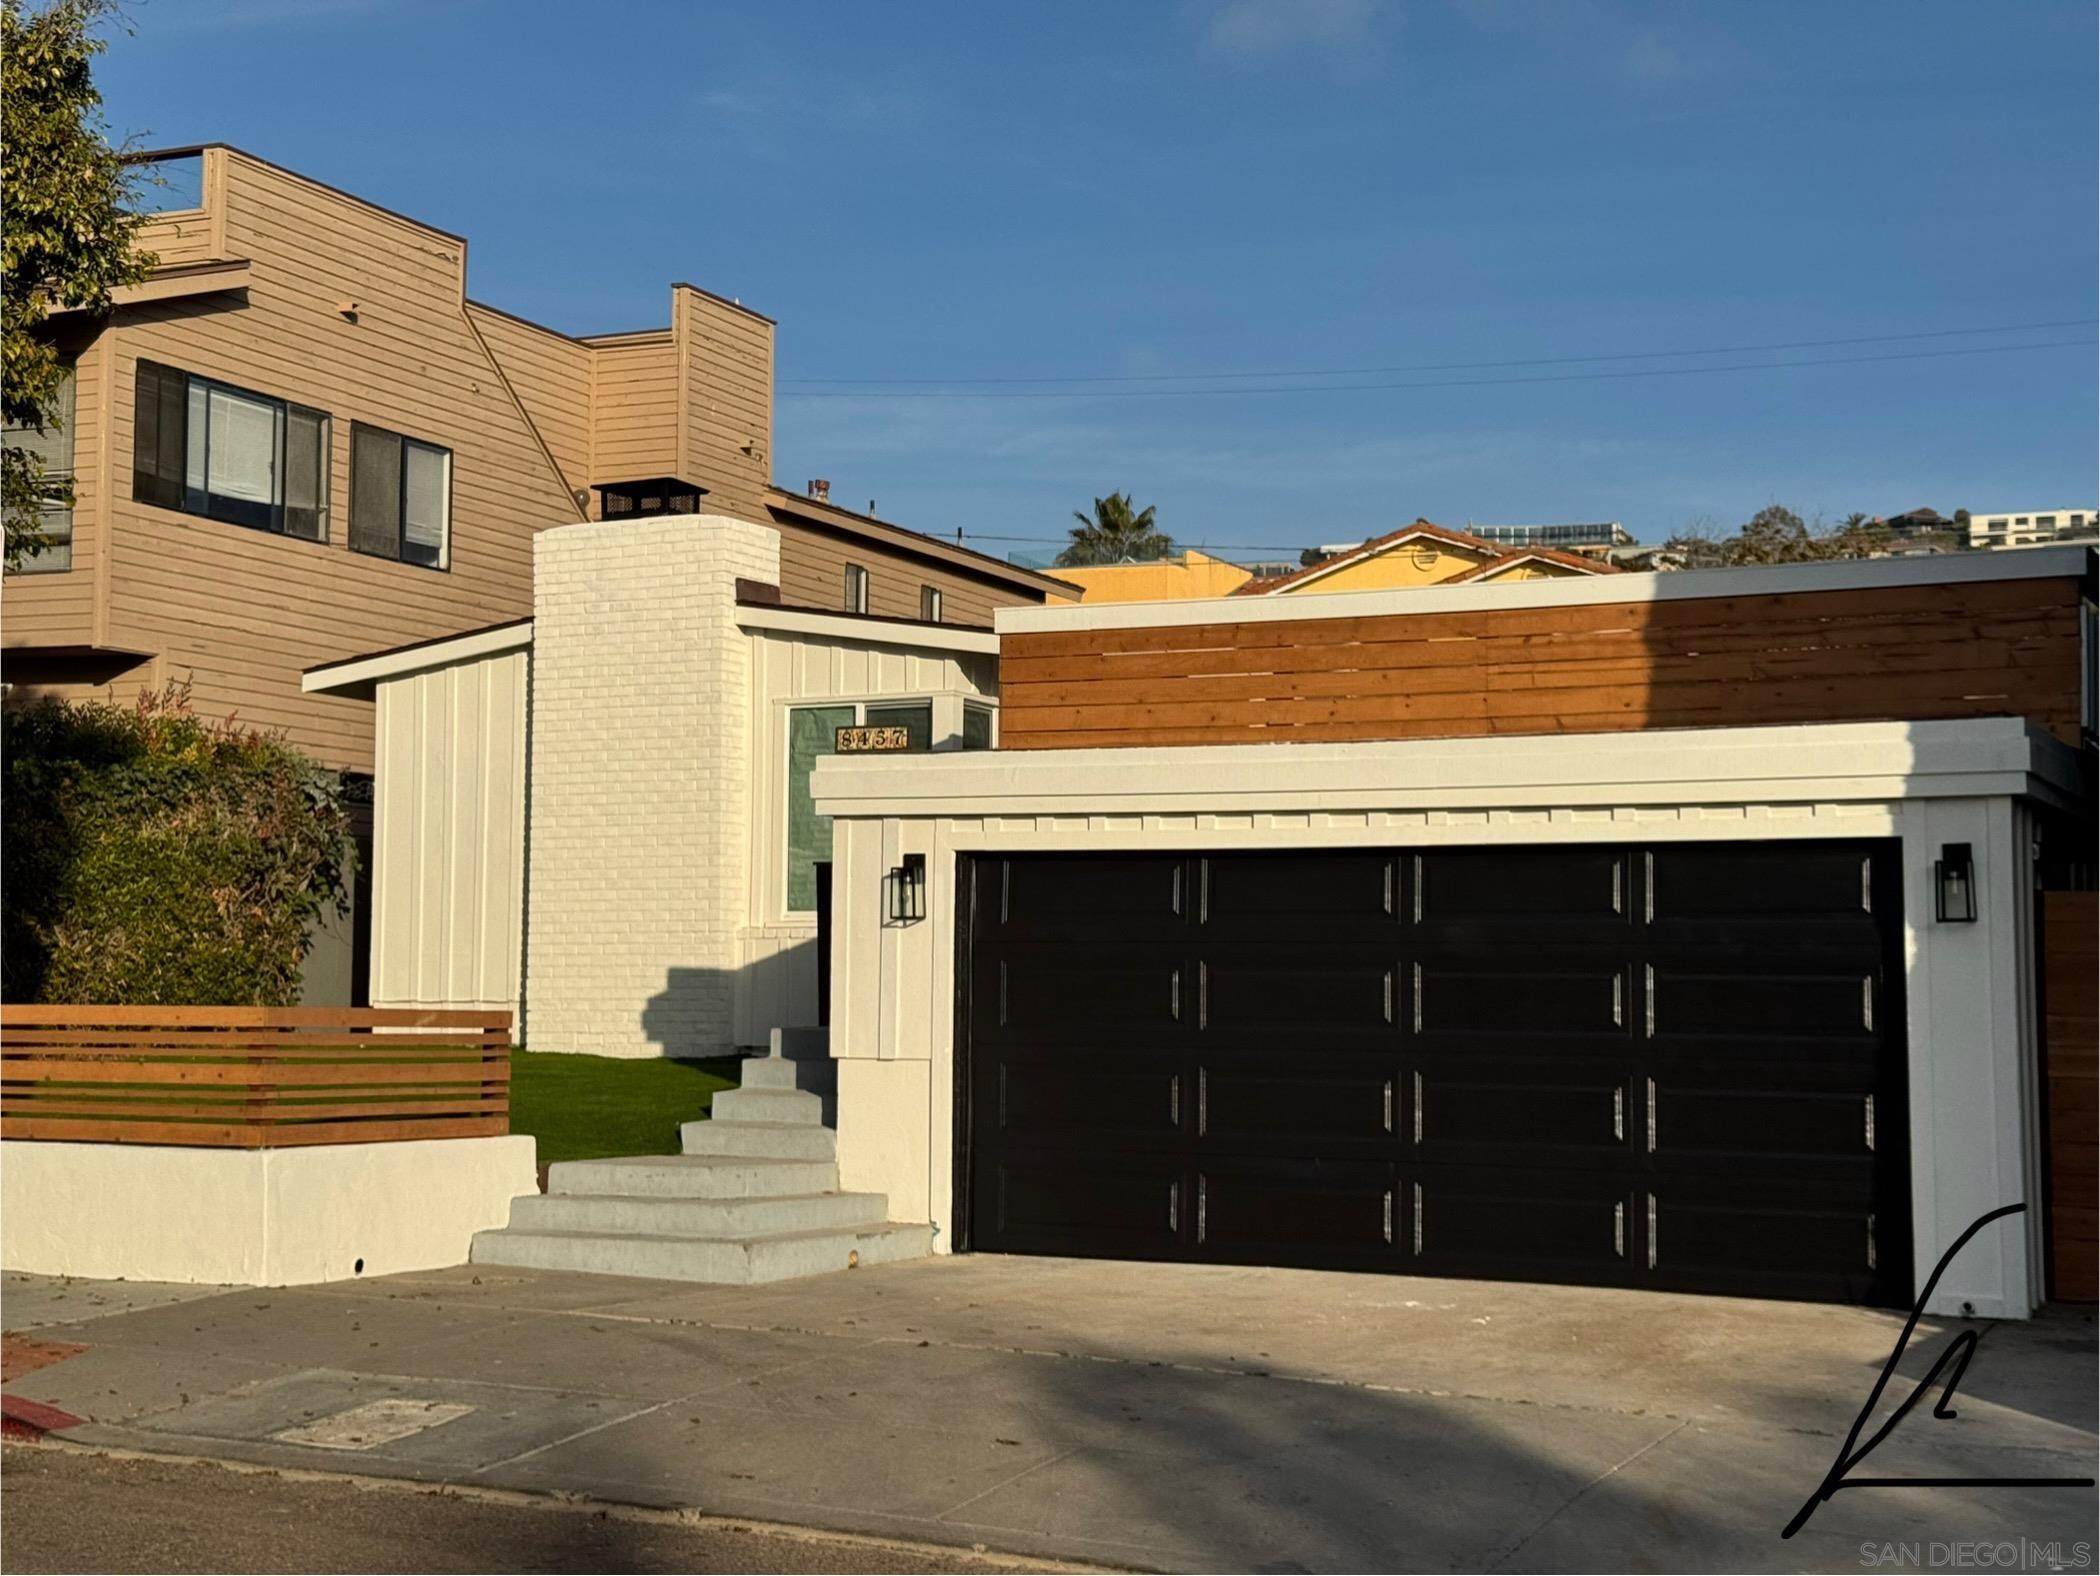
(915, 720)
(977, 728)
(810, 733)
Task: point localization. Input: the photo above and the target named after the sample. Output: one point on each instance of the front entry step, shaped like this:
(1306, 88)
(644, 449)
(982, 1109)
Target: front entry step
(722, 1261)
(754, 1197)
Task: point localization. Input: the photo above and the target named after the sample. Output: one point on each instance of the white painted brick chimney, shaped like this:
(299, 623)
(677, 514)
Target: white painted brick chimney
(637, 826)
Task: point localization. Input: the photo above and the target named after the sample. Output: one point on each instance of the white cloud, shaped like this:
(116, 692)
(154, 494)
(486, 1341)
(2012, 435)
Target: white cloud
(1256, 29)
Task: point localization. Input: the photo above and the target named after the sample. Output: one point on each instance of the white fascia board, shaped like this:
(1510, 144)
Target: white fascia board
(2041, 563)
(359, 674)
(1821, 762)
(867, 631)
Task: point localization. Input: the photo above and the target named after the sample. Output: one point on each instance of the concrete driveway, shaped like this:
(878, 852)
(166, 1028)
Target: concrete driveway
(1153, 1415)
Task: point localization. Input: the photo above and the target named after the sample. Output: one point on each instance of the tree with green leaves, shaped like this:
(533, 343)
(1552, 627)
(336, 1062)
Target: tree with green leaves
(68, 224)
(1115, 533)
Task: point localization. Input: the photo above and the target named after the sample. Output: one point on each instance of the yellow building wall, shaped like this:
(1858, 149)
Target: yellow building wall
(1404, 564)
(1534, 569)
(1171, 579)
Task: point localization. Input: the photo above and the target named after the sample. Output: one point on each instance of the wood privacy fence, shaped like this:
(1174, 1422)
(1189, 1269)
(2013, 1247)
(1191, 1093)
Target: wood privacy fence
(1975, 649)
(252, 1077)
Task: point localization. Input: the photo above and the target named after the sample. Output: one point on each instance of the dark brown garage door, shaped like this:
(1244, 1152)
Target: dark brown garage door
(1675, 1066)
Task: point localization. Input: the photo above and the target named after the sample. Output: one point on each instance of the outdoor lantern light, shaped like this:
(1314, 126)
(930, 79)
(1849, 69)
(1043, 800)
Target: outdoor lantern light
(907, 885)
(1954, 885)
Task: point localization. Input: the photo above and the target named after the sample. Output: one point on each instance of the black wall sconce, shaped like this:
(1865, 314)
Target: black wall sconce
(907, 890)
(1954, 885)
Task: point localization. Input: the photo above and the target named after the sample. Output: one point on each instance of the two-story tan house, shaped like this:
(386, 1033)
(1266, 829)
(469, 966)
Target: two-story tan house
(299, 440)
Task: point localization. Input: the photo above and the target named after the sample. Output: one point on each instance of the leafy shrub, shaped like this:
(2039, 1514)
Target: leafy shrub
(156, 859)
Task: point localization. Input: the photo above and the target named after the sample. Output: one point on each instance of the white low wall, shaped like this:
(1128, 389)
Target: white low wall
(253, 1217)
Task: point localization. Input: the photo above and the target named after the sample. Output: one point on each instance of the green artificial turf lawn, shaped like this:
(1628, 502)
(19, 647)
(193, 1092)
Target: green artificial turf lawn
(589, 1107)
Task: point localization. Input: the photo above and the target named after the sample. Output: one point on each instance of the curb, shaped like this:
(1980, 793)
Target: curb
(20, 1419)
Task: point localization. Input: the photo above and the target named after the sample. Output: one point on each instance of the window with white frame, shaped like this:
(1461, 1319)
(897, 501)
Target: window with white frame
(930, 604)
(856, 589)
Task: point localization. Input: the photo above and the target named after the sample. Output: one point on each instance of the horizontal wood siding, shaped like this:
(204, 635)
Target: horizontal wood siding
(551, 375)
(251, 1077)
(725, 360)
(634, 409)
(813, 574)
(242, 613)
(57, 607)
(2071, 1063)
(1981, 648)
(175, 240)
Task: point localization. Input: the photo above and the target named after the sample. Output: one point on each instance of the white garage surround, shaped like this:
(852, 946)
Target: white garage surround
(1971, 1033)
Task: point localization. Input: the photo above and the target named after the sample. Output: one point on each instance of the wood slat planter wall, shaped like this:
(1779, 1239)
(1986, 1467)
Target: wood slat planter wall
(252, 1077)
(1979, 648)
(2071, 1064)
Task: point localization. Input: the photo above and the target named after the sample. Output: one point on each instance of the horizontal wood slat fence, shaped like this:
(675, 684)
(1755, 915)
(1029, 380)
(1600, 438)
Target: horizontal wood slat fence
(252, 1077)
(1977, 648)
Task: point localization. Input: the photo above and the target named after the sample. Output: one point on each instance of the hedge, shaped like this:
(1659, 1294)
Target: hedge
(157, 859)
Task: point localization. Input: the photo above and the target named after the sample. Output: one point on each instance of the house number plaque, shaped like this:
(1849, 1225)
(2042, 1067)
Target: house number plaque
(870, 740)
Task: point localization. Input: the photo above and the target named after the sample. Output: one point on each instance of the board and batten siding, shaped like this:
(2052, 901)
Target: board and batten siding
(243, 613)
(777, 977)
(449, 835)
(1969, 648)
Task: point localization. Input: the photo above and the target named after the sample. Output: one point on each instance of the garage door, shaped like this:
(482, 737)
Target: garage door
(1677, 1066)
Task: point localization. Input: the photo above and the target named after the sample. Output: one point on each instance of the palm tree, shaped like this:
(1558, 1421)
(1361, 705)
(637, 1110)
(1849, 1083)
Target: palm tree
(1115, 534)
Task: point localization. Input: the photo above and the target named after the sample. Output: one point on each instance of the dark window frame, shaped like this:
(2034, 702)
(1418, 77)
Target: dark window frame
(161, 477)
(404, 443)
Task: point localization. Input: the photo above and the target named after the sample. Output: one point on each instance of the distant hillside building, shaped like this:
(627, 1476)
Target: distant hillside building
(1592, 540)
(2024, 528)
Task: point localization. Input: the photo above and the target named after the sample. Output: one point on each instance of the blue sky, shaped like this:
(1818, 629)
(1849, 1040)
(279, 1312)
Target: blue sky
(1159, 193)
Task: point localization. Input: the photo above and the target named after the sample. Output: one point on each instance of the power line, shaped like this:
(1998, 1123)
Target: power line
(1445, 383)
(1457, 366)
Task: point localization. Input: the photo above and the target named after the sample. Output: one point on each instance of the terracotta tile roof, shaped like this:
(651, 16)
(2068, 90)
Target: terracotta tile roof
(1550, 555)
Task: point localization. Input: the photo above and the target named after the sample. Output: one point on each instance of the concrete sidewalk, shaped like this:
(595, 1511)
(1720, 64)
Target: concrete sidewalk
(1154, 1415)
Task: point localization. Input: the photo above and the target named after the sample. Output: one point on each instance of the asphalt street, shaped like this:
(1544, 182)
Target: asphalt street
(63, 1510)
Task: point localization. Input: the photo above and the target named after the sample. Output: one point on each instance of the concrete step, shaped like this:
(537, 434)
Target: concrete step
(719, 1260)
(693, 1176)
(758, 1140)
(797, 1106)
(632, 1214)
(779, 1072)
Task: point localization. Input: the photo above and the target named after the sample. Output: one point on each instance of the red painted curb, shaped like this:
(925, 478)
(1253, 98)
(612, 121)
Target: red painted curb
(20, 1419)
